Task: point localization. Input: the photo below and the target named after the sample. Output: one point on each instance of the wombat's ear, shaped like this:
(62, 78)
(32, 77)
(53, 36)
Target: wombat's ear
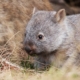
(35, 10)
(60, 15)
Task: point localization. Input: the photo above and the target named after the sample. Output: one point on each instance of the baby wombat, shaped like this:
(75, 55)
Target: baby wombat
(53, 38)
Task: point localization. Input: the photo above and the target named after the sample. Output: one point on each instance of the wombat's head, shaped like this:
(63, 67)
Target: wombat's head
(45, 32)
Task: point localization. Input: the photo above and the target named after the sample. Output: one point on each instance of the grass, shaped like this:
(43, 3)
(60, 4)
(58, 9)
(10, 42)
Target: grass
(28, 74)
(26, 64)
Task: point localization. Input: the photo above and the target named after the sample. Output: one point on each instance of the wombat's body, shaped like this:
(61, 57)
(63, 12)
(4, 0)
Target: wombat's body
(54, 38)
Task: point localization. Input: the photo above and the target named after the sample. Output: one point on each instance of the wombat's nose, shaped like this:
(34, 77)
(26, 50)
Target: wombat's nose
(29, 48)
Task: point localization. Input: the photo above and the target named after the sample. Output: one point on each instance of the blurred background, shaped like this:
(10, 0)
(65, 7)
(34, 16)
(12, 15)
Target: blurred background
(71, 6)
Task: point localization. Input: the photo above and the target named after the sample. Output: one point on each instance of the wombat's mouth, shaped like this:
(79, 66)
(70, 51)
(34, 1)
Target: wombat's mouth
(34, 53)
(43, 53)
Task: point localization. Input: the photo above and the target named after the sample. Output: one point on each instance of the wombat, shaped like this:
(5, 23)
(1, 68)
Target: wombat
(14, 15)
(53, 38)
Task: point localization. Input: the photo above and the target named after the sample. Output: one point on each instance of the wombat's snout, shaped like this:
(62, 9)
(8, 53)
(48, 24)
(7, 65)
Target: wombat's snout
(30, 48)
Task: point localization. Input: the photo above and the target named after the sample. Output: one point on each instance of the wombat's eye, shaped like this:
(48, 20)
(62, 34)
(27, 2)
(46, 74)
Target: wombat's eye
(40, 36)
